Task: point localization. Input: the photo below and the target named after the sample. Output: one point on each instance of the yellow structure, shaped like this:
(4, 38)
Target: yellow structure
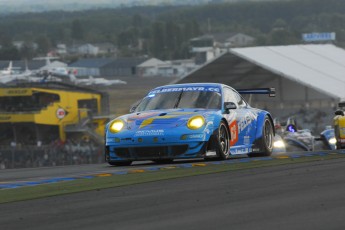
(42, 113)
(339, 126)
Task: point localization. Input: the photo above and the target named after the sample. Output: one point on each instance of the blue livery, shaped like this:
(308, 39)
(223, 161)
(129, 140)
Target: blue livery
(195, 120)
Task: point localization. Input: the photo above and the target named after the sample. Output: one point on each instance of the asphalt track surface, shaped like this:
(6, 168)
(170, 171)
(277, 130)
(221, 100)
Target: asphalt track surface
(295, 196)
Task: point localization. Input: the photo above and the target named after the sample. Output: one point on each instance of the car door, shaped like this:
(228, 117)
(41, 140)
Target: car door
(246, 122)
(240, 122)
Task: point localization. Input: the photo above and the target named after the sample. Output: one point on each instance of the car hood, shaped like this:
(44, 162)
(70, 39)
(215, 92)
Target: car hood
(171, 118)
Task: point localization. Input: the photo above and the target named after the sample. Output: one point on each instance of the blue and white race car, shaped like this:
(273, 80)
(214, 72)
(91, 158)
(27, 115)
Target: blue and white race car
(195, 120)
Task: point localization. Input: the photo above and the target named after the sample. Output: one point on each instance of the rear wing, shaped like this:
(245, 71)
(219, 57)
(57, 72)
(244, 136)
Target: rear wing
(341, 104)
(270, 91)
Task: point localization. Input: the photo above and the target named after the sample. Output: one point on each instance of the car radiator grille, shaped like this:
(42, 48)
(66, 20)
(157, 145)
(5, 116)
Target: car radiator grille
(151, 152)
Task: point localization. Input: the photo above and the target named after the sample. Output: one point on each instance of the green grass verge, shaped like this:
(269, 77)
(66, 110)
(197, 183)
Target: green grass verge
(81, 185)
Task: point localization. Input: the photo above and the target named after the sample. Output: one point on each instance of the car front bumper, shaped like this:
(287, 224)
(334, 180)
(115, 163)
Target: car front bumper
(190, 145)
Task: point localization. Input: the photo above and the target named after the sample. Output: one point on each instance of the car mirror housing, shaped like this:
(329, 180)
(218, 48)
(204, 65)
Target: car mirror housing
(229, 106)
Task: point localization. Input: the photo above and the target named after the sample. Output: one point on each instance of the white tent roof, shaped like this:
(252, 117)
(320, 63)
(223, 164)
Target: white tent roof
(152, 62)
(319, 66)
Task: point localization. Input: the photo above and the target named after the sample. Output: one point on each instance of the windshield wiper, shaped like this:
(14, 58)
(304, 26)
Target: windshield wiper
(178, 100)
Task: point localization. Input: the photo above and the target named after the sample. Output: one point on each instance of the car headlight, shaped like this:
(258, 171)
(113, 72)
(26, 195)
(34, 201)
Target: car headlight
(196, 122)
(116, 126)
(332, 141)
(279, 144)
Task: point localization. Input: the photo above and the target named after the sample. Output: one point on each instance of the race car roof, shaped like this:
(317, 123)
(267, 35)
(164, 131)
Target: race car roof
(318, 66)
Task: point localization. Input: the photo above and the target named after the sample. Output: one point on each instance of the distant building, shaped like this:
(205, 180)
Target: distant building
(175, 68)
(107, 49)
(88, 49)
(89, 66)
(98, 49)
(84, 49)
(20, 44)
(208, 46)
(61, 49)
(107, 67)
(150, 67)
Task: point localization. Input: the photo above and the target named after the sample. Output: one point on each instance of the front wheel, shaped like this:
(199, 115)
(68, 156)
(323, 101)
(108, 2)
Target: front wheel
(222, 141)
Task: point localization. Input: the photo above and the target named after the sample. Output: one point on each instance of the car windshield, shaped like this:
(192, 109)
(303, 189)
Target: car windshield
(182, 99)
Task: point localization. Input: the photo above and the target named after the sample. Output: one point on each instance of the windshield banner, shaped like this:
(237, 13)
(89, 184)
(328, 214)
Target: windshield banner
(186, 89)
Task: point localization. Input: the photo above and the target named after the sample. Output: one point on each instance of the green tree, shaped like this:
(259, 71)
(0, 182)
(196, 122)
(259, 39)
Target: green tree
(9, 53)
(44, 44)
(27, 51)
(282, 37)
(158, 46)
(77, 30)
(137, 21)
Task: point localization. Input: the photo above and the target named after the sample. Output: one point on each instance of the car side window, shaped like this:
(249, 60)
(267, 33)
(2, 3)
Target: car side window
(240, 101)
(229, 96)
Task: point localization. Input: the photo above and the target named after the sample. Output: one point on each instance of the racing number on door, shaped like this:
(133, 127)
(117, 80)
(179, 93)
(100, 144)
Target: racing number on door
(233, 133)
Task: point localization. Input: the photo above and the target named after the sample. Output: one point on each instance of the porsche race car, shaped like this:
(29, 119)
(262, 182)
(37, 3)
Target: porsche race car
(196, 120)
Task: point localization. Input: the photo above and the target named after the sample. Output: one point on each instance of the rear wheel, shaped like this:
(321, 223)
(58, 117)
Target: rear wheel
(223, 141)
(266, 140)
(120, 163)
(268, 137)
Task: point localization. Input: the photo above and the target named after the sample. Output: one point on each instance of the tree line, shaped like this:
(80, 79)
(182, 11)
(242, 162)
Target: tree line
(164, 31)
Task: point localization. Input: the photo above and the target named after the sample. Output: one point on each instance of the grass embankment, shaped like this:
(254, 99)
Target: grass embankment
(137, 177)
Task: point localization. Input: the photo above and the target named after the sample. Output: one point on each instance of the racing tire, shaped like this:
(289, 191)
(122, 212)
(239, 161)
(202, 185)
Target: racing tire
(266, 140)
(222, 141)
(120, 163)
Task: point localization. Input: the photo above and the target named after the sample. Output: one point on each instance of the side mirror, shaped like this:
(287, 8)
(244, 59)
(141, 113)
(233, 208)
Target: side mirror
(339, 113)
(229, 105)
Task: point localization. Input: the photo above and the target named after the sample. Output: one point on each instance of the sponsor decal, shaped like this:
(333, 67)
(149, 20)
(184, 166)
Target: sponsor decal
(193, 136)
(18, 92)
(170, 116)
(207, 128)
(211, 153)
(185, 89)
(5, 118)
(154, 132)
(242, 151)
(60, 113)
(246, 140)
(233, 133)
(247, 120)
